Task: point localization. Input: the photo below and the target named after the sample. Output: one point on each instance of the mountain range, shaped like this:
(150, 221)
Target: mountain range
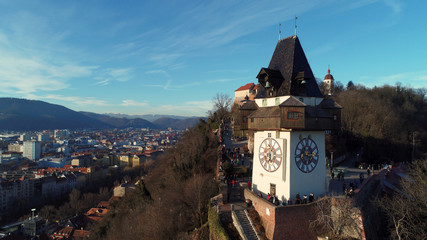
(27, 115)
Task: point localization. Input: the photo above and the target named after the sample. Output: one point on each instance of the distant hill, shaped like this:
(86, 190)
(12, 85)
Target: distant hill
(149, 117)
(166, 122)
(26, 115)
(160, 123)
(121, 122)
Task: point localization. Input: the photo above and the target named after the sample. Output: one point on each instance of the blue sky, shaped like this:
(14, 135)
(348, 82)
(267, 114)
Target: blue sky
(173, 57)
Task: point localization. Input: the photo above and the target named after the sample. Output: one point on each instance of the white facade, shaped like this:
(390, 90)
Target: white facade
(15, 147)
(25, 137)
(59, 134)
(276, 101)
(288, 178)
(32, 150)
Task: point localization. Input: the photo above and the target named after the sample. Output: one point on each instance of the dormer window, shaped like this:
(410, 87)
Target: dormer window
(264, 102)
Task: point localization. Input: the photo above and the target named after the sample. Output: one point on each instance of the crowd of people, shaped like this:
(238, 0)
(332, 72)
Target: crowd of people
(298, 200)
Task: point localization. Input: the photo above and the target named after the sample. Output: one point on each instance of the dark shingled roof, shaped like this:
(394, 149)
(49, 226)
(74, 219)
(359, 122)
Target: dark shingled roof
(266, 112)
(249, 105)
(290, 60)
(292, 102)
(313, 112)
(328, 103)
(271, 73)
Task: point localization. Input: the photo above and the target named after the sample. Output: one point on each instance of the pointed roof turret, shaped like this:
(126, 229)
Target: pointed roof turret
(329, 75)
(296, 75)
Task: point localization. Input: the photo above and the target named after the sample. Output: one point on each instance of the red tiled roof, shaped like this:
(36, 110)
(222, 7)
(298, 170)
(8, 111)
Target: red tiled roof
(245, 87)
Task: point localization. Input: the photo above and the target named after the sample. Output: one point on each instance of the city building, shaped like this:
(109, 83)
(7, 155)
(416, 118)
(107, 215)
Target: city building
(32, 150)
(15, 147)
(15, 193)
(24, 137)
(249, 90)
(61, 134)
(43, 137)
(125, 161)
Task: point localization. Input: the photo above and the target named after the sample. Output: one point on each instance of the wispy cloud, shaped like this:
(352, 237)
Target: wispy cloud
(191, 108)
(103, 82)
(208, 25)
(120, 74)
(72, 99)
(415, 79)
(31, 74)
(104, 77)
(133, 103)
(395, 5)
(224, 80)
(159, 72)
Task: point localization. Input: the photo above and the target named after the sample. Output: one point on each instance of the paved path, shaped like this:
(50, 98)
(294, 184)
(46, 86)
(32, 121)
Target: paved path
(352, 174)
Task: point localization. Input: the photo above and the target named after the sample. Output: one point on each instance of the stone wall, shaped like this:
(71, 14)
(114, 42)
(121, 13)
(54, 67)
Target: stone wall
(288, 222)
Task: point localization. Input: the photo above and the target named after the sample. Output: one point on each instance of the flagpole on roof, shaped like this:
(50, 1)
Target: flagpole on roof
(279, 30)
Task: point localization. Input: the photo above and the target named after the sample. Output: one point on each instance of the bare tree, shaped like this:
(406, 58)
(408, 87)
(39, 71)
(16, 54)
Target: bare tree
(406, 210)
(221, 107)
(198, 191)
(337, 217)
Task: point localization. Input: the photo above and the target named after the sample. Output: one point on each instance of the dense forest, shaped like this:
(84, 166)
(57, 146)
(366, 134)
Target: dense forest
(171, 201)
(382, 124)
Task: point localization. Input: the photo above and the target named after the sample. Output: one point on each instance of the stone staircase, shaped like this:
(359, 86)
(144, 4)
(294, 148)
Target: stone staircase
(244, 225)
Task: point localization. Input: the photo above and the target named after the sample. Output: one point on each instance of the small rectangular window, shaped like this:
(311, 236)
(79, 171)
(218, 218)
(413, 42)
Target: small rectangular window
(293, 115)
(252, 119)
(335, 117)
(264, 102)
(269, 134)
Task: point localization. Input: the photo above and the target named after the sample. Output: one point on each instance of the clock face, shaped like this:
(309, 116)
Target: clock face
(270, 155)
(306, 155)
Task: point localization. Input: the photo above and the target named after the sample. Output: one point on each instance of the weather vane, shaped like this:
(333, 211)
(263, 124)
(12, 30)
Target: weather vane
(296, 25)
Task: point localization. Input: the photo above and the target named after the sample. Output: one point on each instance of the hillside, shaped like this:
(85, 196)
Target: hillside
(26, 115)
(29, 115)
(166, 122)
(121, 122)
(149, 117)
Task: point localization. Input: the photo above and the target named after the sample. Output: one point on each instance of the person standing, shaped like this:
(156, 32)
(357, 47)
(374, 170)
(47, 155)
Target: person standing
(297, 199)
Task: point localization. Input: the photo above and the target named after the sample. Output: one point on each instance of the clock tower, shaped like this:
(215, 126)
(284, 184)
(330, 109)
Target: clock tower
(289, 126)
